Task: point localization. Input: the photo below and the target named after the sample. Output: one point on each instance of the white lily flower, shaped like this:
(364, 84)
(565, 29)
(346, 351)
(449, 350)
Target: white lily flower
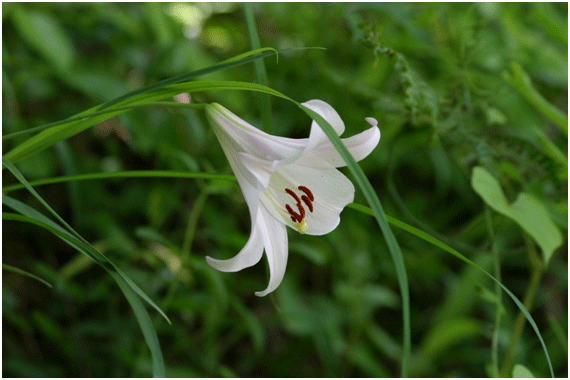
(286, 182)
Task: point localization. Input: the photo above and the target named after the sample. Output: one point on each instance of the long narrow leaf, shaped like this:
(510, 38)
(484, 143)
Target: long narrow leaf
(232, 62)
(430, 239)
(56, 133)
(24, 273)
(124, 174)
(260, 71)
(141, 314)
(98, 257)
(378, 212)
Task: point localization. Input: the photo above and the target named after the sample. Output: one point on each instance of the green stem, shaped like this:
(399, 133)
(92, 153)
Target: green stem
(522, 82)
(259, 67)
(537, 272)
(498, 293)
(192, 223)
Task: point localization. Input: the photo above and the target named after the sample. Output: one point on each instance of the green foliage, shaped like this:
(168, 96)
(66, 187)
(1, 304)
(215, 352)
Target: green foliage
(526, 211)
(453, 86)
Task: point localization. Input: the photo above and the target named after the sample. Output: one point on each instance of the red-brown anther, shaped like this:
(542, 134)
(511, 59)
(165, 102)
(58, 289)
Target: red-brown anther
(307, 202)
(292, 193)
(293, 213)
(308, 199)
(294, 216)
(308, 192)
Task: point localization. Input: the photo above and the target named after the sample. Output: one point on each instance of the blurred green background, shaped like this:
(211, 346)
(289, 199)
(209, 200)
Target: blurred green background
(435, 76)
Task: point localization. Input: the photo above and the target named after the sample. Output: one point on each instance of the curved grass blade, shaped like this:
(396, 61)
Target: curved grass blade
(124, 174)
(232, 62)
(59, 132)
(141, 314)
(523, 84)
(84, 116)
(27, 274)
(93, 253)
(430, 239)
(378, 213)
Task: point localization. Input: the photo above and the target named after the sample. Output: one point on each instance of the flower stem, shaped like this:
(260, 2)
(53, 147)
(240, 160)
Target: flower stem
(192, 223)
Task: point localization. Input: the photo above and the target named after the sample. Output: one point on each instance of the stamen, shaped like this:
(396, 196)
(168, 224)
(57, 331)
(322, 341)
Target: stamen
(308, 192)
(302, 211)
(294, 216)
(299, 217)
(292, 193)
(307, 202)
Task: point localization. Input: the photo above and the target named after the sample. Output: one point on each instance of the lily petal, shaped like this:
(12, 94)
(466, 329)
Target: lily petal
(276, 248)
(332, 191)
(360, 146)
(286, 181)
(317, 136)
(249, 255)
(260, 169)
(250, 139)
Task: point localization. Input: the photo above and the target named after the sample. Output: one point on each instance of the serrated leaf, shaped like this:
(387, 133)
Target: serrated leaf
(526, 211)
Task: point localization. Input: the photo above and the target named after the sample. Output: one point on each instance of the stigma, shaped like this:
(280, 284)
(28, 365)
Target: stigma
(302, 227)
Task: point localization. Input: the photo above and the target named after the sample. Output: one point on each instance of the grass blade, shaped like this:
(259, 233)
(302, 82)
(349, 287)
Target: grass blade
(24, 273)
(70, 128)
(522, 82)
(260, 71)
(88, 249)
(430, 239)
(378, 213)
(141, 314)
(232, 62)
(125, 174)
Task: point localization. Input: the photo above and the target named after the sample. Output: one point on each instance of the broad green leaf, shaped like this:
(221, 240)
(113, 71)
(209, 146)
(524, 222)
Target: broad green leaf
(520, 371)
(46, 36)
(526, 211)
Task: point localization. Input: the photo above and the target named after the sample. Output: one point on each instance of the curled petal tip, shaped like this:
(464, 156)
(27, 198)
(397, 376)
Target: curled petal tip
(372, 121)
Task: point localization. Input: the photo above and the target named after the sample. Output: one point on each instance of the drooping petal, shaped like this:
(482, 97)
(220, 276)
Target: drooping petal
(360, 146)
(276, 248)
(317, 136)
(249, 255)
(246, 182)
